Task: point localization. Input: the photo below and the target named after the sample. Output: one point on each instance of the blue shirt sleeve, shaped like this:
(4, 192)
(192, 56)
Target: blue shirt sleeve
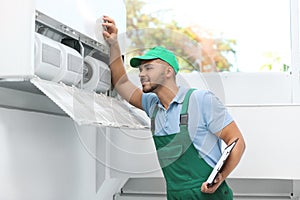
(208, 116)
(148, 100)
(216, 116)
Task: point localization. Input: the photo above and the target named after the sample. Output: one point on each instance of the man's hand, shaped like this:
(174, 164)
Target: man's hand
(110, 31)
(206, 189)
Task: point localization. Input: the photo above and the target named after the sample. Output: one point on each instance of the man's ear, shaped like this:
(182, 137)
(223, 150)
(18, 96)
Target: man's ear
(170, 71)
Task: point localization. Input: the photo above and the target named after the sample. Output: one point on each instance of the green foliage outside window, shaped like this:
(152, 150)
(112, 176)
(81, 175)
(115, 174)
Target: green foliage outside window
(196, 49)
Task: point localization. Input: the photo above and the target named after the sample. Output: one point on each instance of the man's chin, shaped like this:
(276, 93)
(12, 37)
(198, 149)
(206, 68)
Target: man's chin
(147, 89)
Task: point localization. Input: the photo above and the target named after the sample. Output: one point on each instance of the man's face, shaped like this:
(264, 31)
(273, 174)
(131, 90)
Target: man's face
(152, 74)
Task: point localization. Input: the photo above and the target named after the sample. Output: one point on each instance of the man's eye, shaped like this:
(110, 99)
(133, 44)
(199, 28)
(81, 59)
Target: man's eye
(148, 67)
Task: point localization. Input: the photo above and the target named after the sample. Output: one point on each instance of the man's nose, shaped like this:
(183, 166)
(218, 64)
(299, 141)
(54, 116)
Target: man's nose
(142, 73)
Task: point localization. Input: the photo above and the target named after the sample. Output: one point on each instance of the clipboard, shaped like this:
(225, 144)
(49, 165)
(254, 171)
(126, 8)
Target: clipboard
(220, 163)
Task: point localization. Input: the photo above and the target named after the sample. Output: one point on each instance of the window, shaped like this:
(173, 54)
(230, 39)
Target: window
(256, 32)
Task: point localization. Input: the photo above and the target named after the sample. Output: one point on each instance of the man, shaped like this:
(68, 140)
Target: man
(187, 125)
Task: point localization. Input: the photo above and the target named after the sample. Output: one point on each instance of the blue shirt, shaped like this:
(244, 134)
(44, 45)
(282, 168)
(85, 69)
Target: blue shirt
(207, 116)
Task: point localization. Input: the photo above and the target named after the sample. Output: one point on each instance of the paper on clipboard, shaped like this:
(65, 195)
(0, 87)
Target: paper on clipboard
(220, 163)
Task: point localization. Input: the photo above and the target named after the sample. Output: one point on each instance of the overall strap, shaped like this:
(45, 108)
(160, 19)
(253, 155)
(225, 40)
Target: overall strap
(153, 119)
(183, 114)
(184, 110)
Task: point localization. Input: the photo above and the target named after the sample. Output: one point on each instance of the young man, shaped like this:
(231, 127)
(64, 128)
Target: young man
(187, 125)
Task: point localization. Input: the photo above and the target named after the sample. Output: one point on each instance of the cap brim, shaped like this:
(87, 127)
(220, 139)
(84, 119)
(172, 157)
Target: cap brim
(136, 61)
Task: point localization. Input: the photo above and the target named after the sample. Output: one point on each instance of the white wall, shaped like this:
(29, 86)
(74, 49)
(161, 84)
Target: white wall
(272, 138)
(42, 157)
(16, 16)
(133, 154)
(269, 88)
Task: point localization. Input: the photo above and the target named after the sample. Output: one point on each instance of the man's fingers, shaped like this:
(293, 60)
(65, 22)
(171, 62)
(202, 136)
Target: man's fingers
(105, 34)
(110, 31)
(108, 19)
(206, 189)
(109, 27)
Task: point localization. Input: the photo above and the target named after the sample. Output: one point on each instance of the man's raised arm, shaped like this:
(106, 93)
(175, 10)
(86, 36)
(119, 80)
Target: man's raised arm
(120, 81)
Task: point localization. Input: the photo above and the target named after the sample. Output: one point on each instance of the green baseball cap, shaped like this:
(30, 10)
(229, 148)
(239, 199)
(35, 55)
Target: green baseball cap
(154, 53)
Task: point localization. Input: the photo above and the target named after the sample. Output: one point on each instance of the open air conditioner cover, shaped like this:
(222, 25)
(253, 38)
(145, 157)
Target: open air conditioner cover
(90, 108)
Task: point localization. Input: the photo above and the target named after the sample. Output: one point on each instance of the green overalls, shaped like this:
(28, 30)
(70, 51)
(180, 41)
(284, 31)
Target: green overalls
(182, 166)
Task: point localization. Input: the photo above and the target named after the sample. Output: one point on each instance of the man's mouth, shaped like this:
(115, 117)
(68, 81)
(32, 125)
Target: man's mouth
(143, 82)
